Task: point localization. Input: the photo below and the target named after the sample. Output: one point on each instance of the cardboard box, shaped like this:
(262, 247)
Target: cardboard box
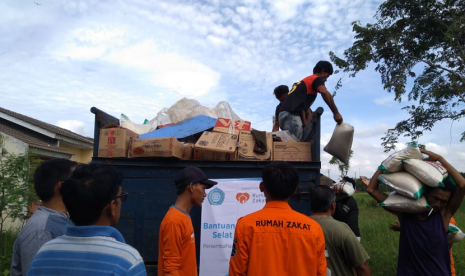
(224, 126)
(213, 146)
(292, 151)
(160, 147)
(246, 144)
(114, 141)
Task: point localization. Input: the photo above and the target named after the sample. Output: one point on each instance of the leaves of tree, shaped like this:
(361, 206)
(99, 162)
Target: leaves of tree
(412, 36)
(342, 167)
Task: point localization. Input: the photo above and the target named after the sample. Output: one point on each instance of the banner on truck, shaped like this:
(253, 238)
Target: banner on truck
(225, 203)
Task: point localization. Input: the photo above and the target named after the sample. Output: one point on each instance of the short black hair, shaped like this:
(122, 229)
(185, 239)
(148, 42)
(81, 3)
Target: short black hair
(88, 190)
(281, 90)
(326, 65)
(280, 179)
(449, 186)
(321, 198)
(48, 174)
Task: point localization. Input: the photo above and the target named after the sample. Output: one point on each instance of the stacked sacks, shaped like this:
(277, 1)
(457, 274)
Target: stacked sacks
(394, 163)
(408, 175)
(400, 203)
(454, 234)
(430, 173)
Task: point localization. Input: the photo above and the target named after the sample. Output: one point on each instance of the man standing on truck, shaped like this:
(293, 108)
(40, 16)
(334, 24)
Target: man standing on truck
(423, 244)
(93, 198)
(344, 252)
(49, 220)
(176, 243)
(278, 240)
(294, 114)
(280, 92)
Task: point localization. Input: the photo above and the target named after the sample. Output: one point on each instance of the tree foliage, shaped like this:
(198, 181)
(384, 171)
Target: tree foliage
(411, 36)
(16, 184)
(341, 166)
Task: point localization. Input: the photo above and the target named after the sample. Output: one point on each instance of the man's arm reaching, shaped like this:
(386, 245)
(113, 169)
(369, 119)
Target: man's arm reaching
(373, 188)
(276, 125)
(330, 102)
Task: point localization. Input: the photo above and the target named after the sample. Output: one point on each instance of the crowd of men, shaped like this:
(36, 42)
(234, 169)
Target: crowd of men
(72, 232)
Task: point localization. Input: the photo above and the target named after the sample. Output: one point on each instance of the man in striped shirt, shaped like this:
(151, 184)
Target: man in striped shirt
(93, 197)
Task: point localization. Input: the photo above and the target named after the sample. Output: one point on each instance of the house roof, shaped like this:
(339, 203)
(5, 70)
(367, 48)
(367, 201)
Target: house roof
(46, 126)
(324, 180)
(33, 139)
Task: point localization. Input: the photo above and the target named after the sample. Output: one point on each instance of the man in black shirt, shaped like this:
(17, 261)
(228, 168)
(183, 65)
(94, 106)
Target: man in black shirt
(280, 93)
(293, 115)
(347, 209)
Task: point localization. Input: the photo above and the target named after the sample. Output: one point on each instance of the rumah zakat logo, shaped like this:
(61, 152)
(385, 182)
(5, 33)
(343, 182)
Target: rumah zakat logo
(216, 197)
(242, 197)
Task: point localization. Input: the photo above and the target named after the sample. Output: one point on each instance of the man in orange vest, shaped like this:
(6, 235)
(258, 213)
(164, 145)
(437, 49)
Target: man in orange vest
(278, 240)
(176, 243)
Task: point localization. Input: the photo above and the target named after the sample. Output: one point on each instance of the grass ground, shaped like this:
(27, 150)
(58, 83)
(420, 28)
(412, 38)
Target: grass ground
(382, 244)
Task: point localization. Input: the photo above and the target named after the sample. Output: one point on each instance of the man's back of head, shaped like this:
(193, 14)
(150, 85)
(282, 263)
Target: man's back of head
(49, 174)
(93, 196)
(280, 180)
(49, 220)
(321, 198)
(345, 253)
(280, 92)
(88, 191)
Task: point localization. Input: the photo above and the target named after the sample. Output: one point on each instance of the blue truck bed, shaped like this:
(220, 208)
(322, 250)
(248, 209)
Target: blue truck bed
(149, 182)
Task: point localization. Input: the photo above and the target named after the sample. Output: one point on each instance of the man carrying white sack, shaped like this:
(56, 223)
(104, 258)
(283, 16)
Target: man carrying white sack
(347, 208)
(423, 246)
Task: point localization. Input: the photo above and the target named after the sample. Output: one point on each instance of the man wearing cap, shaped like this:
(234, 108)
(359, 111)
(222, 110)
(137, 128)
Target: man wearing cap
(176, 244)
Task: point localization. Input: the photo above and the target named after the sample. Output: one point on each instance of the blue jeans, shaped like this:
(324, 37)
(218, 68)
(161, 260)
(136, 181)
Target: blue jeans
(293, 124)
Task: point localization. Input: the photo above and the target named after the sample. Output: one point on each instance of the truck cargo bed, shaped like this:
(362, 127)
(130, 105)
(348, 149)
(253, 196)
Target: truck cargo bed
(150, 184)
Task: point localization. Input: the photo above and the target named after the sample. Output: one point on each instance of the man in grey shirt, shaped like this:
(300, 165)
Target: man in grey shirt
(49, 221)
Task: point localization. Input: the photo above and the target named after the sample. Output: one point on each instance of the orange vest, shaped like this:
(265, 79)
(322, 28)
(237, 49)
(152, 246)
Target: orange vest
(277, 241)
(452, 267)
(176, 245)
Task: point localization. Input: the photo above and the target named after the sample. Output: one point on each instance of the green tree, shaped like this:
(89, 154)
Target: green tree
(16, 184)
(341, 166)
(411, 36)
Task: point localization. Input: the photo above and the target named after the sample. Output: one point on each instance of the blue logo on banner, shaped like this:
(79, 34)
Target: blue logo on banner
(216, 197)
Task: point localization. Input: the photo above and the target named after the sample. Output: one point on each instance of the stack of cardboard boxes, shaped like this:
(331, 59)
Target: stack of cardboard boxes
(227, 142)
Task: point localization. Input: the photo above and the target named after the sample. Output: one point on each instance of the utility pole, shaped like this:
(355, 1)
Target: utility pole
(328, 172)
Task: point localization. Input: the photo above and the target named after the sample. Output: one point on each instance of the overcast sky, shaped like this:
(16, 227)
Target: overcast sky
(60, 58)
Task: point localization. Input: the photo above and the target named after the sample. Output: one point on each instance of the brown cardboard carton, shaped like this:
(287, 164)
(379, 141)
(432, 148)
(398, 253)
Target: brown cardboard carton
(213, 146)
(223, 125)
(114, 141)
(246, 144)
(160, 147)
(292, 151)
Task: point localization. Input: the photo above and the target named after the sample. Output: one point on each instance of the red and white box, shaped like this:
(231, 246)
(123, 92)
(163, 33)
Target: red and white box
(229, 126)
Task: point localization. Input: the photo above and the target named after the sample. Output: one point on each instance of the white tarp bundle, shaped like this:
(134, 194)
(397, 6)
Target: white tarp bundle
(181, 110)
